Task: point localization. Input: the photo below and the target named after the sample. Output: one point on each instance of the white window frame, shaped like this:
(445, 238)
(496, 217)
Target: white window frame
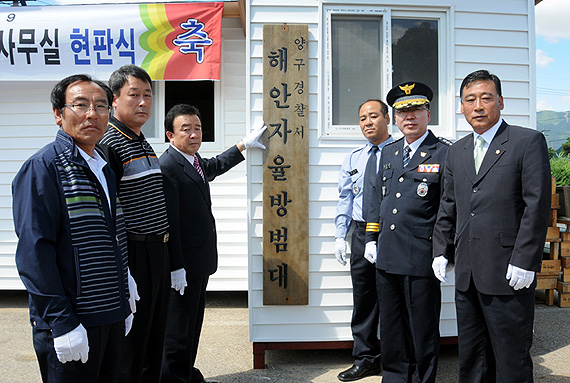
(343, 132)
(446, 125)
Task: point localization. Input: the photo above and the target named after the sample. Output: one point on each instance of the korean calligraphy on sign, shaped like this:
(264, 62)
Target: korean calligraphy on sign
(285, 165)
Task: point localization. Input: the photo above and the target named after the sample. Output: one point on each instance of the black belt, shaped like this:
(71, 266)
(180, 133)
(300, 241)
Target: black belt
(360, 225)
(148, 237)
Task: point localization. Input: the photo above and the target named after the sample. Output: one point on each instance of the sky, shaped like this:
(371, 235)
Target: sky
(553, 55)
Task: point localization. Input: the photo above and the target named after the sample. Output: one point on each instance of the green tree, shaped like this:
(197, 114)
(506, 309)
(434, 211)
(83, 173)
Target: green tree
(566, 147)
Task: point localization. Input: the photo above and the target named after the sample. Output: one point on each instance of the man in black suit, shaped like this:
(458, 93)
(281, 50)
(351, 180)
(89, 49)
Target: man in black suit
(399, 231)
(491, 225)
(192, 242)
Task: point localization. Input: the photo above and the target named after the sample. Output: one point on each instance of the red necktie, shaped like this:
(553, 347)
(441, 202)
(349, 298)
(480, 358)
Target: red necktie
(198, 168)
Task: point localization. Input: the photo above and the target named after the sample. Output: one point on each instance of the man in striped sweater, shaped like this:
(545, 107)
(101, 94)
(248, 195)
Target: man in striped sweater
(71, 252)
(140, 189)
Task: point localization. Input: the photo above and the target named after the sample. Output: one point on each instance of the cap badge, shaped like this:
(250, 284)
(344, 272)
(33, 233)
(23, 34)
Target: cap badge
(407, 88)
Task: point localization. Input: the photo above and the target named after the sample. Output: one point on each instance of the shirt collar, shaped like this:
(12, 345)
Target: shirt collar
(189, 157)
(369, 145)
(97, 160)
(125, 129)
(416, 144)
(489, 134)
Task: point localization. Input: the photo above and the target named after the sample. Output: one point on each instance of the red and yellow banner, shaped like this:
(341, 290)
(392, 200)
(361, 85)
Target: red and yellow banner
(176, 41)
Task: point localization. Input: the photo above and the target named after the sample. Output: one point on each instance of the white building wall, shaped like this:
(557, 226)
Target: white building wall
(498, 36)
(27, 124)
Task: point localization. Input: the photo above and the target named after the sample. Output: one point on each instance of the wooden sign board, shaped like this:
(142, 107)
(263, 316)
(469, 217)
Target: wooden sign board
(286, 165)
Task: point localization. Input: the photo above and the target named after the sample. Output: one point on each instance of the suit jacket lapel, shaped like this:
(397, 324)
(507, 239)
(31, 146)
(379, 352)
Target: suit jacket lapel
(190, 171)
(496, 149)
(468, 159)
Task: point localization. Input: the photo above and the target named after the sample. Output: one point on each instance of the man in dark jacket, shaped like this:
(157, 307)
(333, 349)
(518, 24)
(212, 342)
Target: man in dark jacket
(491, 226)
(401, 224)
(192, 244)
(71, 253)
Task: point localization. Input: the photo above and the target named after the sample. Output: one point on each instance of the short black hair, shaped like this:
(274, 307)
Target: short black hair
(480, 75)
(57, 96)
(119, 77)
(383, 105)
(179, 110)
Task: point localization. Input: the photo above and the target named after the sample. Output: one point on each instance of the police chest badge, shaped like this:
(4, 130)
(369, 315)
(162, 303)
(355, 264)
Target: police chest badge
(354, 188)
(422, 189)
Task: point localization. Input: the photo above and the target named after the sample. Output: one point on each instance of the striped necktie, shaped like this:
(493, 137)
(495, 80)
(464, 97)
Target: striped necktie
(407, 151)
(199, 168)
(479, 153)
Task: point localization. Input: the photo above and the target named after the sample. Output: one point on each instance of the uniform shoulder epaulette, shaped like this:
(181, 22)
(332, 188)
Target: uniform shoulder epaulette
(394, 142)
(445, 141)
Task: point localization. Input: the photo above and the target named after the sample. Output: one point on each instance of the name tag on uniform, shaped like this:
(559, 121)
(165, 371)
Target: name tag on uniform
(428, 168)
(353, 172)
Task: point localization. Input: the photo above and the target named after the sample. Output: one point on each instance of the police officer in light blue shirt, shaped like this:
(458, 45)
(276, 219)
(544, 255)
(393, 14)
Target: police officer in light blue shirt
(357, 172)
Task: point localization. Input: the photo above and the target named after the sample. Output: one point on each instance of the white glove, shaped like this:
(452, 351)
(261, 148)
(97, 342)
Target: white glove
(519, 278)
(178, 280)
(251, 139)
(129, 323)
(72, 346)
(133, 292)
(340, 250)
(441, 267)
(370, 252)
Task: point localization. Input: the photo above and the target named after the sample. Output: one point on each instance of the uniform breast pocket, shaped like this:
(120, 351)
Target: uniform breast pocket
(357, 182)
(427, 184)
(386, 180)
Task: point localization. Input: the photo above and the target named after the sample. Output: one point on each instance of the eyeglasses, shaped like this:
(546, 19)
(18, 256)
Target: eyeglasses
(84, 108)
(404, 112)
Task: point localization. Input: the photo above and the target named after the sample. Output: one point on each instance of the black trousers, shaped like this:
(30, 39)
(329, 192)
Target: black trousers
(409, 327)
(105, 348)
(150, 267)
(495, 336)
(185, 318)
(364, 324)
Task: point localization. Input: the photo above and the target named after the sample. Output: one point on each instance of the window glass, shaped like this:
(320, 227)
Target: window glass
(197, 93)
(356, 64)
(415, 56)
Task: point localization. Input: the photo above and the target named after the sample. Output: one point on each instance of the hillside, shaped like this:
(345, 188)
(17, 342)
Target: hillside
(555, 126)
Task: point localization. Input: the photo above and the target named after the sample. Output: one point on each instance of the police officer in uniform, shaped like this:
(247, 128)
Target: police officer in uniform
(399, 239)
(361, 163)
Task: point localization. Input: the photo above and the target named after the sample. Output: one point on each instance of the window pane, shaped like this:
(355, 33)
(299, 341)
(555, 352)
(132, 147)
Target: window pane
(197, 93)
(415, 56)
(356, 48)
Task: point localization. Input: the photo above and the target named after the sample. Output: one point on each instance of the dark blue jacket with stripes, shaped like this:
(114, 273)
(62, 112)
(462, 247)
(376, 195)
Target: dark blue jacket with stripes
(71, 253)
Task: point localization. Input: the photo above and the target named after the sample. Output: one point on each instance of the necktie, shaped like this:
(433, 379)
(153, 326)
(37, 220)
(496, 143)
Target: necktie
(407, 151)
(199, 168)
(479, 153)
(369, 179)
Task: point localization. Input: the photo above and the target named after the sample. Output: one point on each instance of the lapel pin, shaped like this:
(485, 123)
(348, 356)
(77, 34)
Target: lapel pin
(423, 154)
(397, 151)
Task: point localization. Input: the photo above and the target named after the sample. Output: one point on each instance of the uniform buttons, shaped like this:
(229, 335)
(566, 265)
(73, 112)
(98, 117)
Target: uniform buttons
(475, 190)
(424, 179)
(383, 178)
(392, 227)
(398, 195)
(472, 214)
(394, 211)
(401, 179)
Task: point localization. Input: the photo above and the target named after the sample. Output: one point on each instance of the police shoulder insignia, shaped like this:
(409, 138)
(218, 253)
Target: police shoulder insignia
(444, 141)
(353, 172)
